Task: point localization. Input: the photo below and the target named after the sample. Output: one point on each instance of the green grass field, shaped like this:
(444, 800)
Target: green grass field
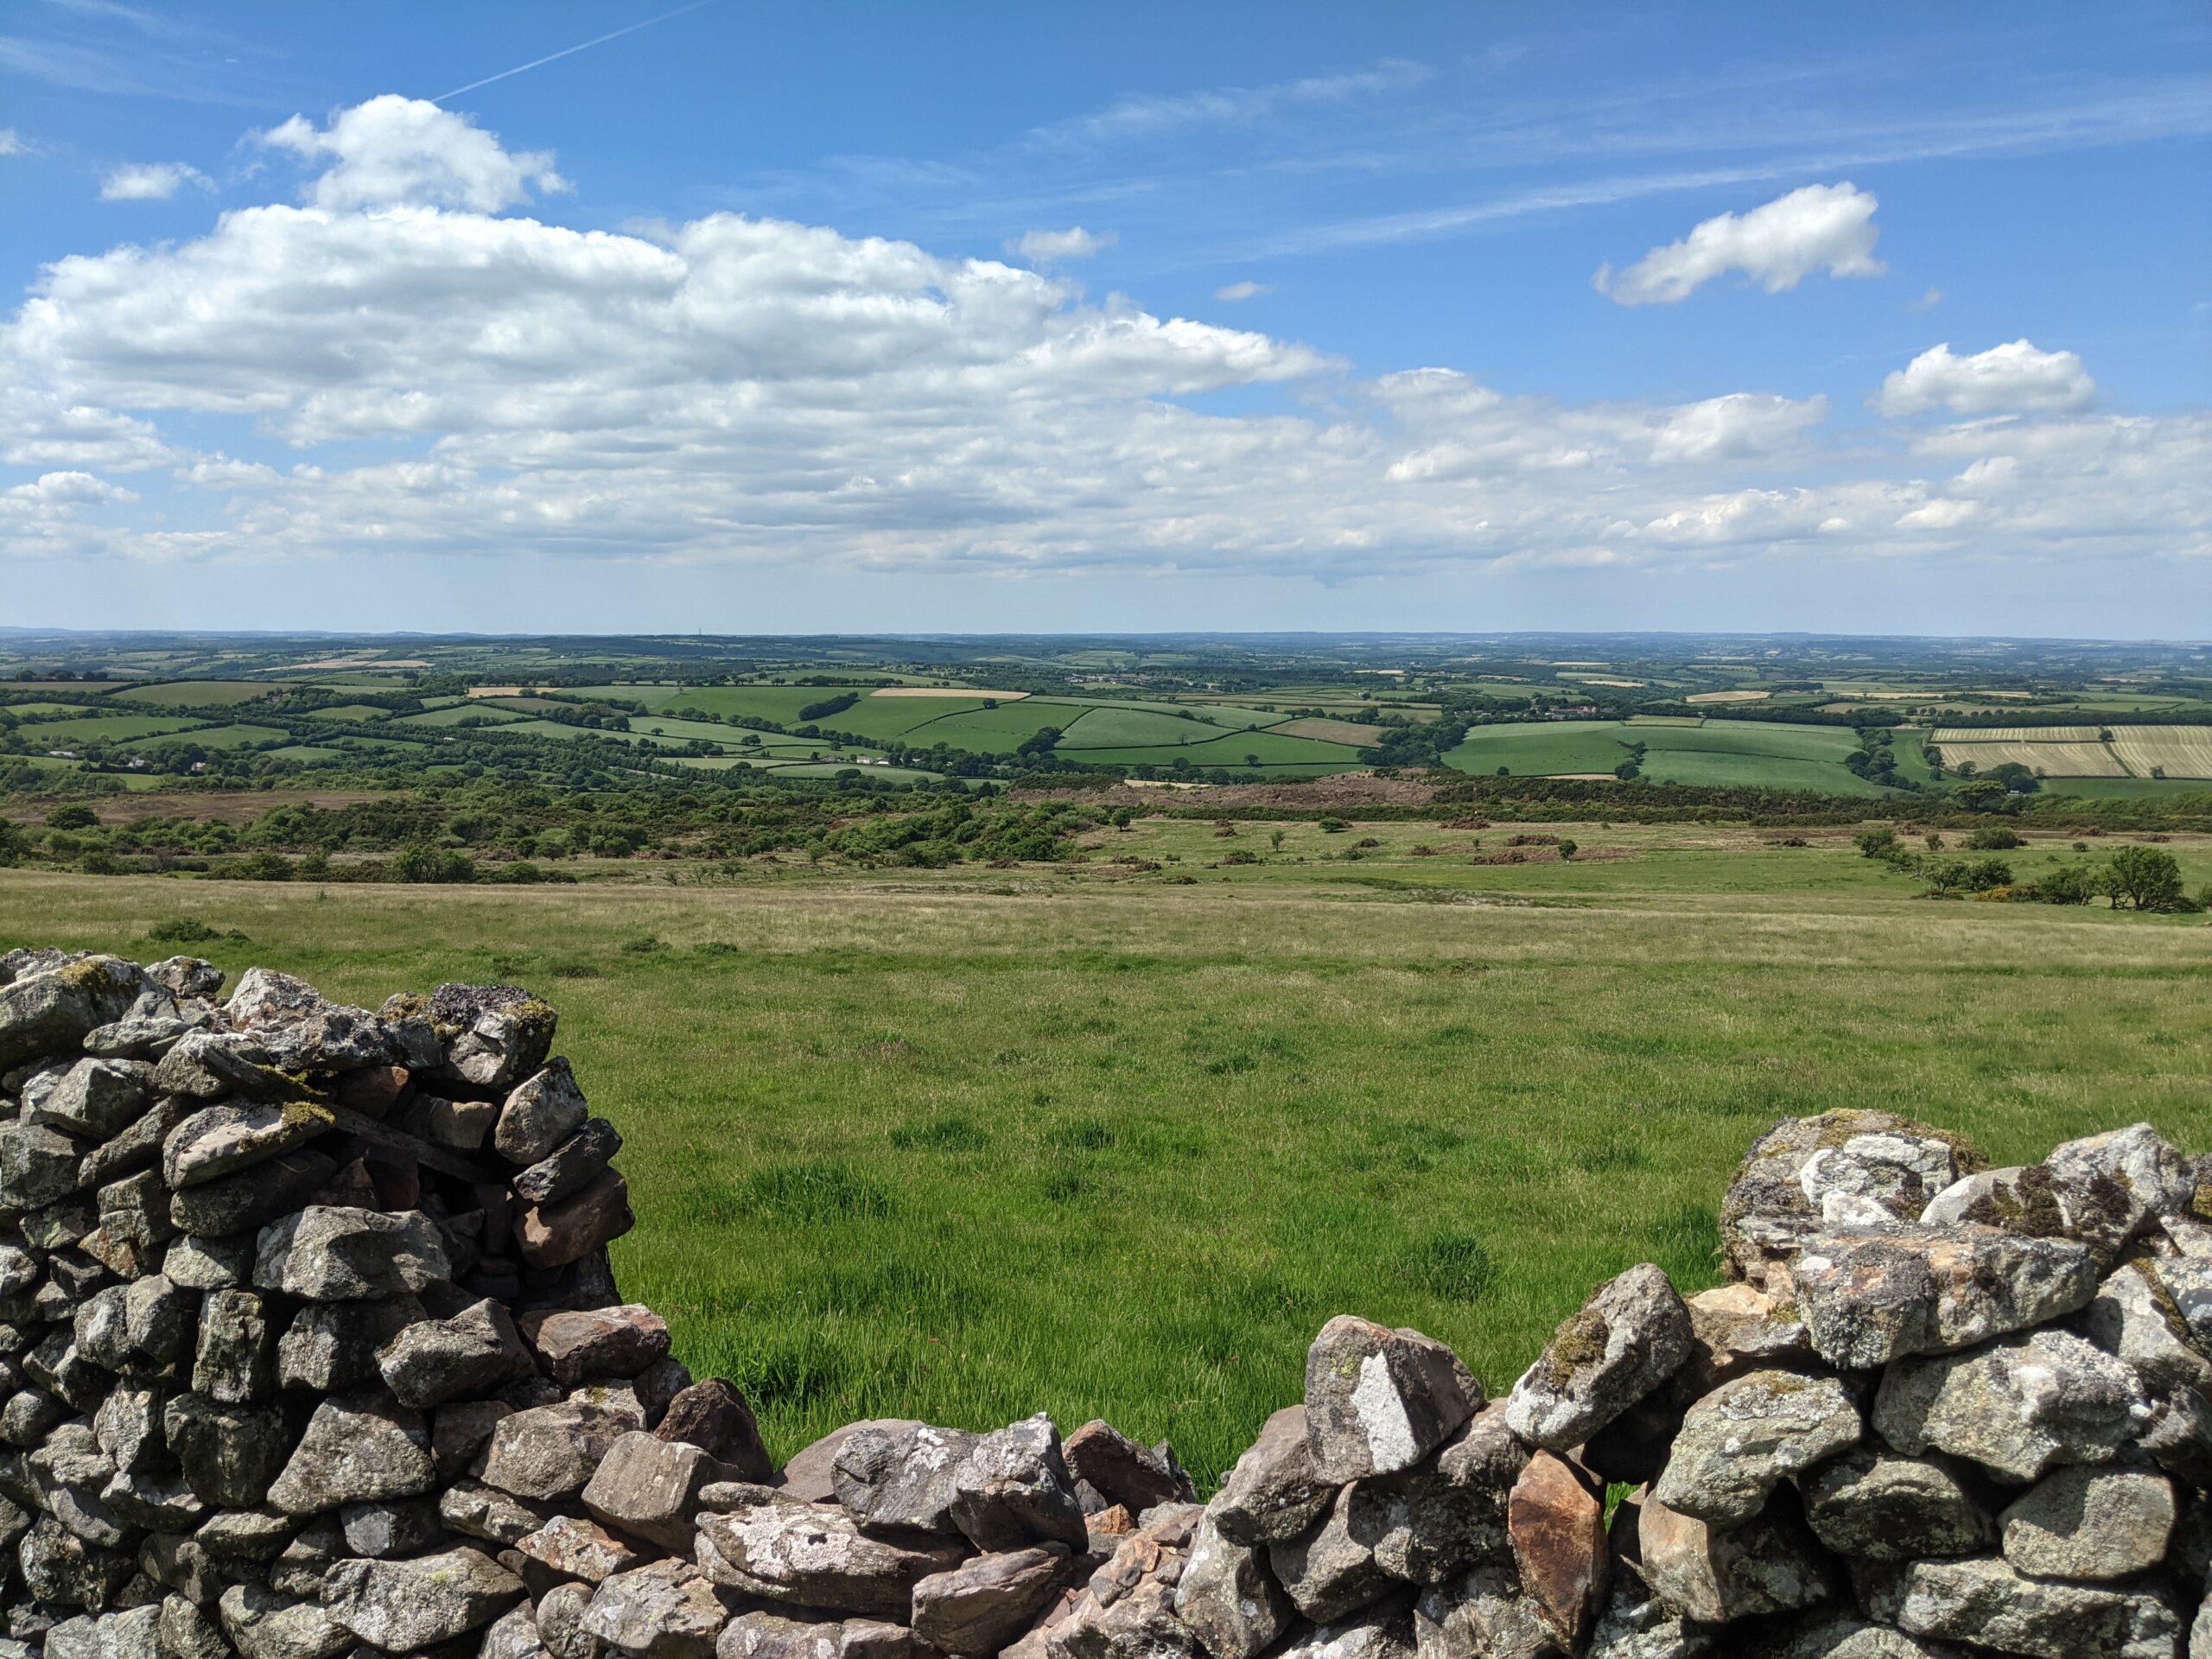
(108, 728)
(195, 694)
(1719, 754)
(963, 1144)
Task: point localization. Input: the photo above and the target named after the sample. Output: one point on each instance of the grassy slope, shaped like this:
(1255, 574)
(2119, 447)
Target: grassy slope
(963, 1145)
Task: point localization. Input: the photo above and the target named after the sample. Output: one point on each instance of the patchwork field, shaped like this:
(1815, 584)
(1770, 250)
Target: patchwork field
(1713, 754)
(2075, 751)
(977, 1142)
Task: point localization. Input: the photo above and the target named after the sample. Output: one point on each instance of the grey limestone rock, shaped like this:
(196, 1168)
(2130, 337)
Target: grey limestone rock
(812, 1555)
(2017, 1406)
(1745, 1438)
(1632, 1335)
(360, 1448)
(403, 1606)
(667, 1609)
(1873, 1504)
(335, 1254)
(2080, 1523)
(1274, 1492)
(1379, 1400)
(975, 1608)
(1989, 1604)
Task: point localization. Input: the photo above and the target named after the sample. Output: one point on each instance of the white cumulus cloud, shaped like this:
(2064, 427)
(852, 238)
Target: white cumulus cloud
(150, 181)
(1819, 226)
(451, 378)
(1058, 247)
(2010, 379)
(394, 150)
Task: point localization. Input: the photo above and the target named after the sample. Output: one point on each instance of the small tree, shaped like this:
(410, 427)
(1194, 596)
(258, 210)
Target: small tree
(1274, 839)
(2148, 878)
(1877, 844)
(1934, 842)
(1567, 849)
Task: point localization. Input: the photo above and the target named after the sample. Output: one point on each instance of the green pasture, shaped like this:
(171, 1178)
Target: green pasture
(454, 714)
(108, 728)
(233, 737)
(964, 1144)
(195, 694)
(349, 713)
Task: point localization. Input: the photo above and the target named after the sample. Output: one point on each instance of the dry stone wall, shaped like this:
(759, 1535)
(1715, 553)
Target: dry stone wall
(309, 1346)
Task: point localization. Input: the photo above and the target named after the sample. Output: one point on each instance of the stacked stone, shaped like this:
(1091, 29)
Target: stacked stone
(310, 1340)
(309, 1345)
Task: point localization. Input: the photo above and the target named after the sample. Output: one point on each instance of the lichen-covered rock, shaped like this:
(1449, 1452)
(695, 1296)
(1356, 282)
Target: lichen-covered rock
(1871, 1504)
(2090, 1523)
(1228, 1597)
(51, 1011)
(1382, 1633)
(406, 1606)
(493, 1036)
(230, 1454)
(1989, 1604)
(812, 1555)
(1866, 1162)
(551, 1452)
(2135, 1317)
(579, 1549)
(2018, 1407)
(1434, 1523)
(241, 1203)
(1768, 1565)
(1012, 1490)
(1483, 1616)
(669, 1610)
(336, 1254)
(539, 1114)
(1276, 1493)
(903, 1478)
(236, 1134)
(264, 1624)
(98, 1099)
(331, 1347)
(1332, 1571)
(1745, 1438)
(1630, 1337)
(1378, 1400)
(475, 1351)
(974, 1610)
(358, 1449)
(649, 1487)
(1869, 1296)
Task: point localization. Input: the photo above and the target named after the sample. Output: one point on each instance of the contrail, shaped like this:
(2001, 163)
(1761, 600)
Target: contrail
(569, 51)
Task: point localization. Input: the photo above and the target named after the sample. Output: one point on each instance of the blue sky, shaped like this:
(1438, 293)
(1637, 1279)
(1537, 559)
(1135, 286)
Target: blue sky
(837, 316)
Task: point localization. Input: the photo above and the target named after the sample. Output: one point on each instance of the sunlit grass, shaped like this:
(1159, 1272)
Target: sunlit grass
(963, 1145)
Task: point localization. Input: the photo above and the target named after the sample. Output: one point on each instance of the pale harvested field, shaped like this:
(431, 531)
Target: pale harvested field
(1728, 697)
(2075, 759)
(2063, 752)
(2183, 751)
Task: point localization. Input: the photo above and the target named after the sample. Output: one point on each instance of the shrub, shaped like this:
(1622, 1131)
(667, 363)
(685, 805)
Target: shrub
(73, 817)
(2146, 877)
(1995, 838)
